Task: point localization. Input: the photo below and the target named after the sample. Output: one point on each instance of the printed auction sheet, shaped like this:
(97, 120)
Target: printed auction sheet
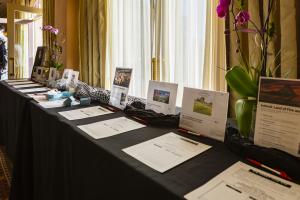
(167, 151)
(120, 88)
(20, 83)
(278, 115)
(110, 127)
(30, 90)
(27, 85)
(204, 112)
(243, 182)
(85, 113)
(162, 97)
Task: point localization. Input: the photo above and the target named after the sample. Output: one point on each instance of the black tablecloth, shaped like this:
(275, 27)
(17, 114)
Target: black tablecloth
(12, 117)
(56, 160)
(68, 164)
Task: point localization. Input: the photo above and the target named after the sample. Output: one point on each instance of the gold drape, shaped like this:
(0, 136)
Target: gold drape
(92, 37)
(282, 52)
(48, 19)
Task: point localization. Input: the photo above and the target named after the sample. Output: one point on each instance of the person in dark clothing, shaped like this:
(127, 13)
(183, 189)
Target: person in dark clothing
(3, 54)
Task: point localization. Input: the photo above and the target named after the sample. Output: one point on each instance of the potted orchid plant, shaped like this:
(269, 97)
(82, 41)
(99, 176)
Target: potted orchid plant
(55, 50)
(244, 78)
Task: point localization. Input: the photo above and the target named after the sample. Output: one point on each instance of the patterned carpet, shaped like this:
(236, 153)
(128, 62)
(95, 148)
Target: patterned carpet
(5, 175)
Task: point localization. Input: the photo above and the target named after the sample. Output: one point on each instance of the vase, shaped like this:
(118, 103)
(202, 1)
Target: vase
(245, 111)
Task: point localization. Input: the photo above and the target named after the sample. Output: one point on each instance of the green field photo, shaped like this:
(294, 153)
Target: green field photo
(202, 107)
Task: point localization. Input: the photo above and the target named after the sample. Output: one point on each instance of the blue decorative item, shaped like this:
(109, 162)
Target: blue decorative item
(85, 101)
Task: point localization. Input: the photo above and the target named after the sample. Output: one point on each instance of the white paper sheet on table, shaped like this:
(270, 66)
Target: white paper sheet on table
(55, 104)
(167, 151)
(39, 97)
(21, 83)
(27, 85)
(41, 89)
(85, 113)
(110, 127)
(243, 182)
(16, 80)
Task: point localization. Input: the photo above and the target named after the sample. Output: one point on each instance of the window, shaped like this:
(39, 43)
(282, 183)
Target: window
(182, 42)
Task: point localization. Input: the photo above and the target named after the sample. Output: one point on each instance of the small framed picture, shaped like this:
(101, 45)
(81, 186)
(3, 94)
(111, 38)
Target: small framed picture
(40, 56)
(52, 74)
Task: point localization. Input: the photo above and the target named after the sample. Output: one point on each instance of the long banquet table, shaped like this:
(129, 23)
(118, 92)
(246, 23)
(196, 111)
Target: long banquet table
(53, 159)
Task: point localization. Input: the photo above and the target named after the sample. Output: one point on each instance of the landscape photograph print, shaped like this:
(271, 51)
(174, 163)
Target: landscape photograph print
(203, 105)
(279, 91)
(161, 96)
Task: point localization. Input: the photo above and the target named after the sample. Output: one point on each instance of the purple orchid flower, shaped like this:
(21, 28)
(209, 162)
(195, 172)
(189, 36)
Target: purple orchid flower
(242, 18)
(223, 7)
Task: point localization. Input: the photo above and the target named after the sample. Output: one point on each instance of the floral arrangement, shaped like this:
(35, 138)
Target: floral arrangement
(244, 78)
(55, 50)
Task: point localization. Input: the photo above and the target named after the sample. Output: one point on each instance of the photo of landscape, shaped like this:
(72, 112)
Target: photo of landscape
(278, 91)
(161, 96)
(203, 106)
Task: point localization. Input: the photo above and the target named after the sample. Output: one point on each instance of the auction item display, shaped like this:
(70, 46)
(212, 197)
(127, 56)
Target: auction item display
(162, 97)
(278, 115)
(120, 88)
(204, 112)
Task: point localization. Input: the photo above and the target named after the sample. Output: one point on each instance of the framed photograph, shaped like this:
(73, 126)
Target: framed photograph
(52, 74)
(162, 97)
(67, 75)
(122, 77)
(40, 56)
(39, 74)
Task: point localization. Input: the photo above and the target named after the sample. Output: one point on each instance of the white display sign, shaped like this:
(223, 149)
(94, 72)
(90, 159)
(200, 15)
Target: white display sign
(120, 88)
(204, 112)
(162, 97)
(278, 115)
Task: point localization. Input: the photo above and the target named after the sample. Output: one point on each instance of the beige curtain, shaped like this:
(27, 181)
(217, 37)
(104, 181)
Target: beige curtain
(283, 50)
(215, 51)
(21, 32)
(92, 37)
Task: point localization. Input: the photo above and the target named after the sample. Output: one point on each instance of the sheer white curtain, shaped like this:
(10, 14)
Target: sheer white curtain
(129, 43)
(183, 43)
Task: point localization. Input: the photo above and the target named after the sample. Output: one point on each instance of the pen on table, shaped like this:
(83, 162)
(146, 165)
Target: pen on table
(187, 131)
(188, 140)
(139, 120)
(282, 174)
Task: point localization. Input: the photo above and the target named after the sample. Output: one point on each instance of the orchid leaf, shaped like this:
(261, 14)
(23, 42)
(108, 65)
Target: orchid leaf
(239, 80)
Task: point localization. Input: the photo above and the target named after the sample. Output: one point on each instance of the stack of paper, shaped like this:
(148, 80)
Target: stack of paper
(56, 104)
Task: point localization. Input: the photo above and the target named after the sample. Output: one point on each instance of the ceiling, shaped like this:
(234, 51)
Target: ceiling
(3, 8)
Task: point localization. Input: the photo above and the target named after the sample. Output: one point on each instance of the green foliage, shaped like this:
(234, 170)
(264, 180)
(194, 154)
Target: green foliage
(240, 81)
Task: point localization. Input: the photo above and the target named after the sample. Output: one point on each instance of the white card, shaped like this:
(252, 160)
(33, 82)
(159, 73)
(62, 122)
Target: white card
(27, 85)
(162, 97)
(30, 90)
(278, 115)
(165, 152)
(67, 75)
(85, 113)
(120, 88)
(110, 127)
(204, 112)
(242, 182)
